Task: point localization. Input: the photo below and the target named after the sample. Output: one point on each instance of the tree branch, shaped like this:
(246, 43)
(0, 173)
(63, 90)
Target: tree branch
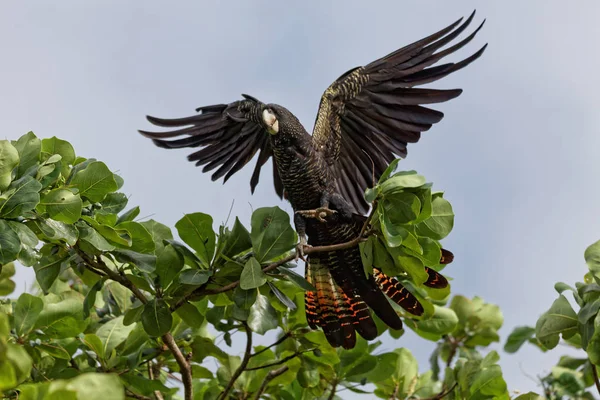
(443, 393)
(100, 265)
(280, 340)
(151, 372)
(270, 376)
(242, 366)
(333, 388)
(279, 362)
(184, 365)
(596, 381)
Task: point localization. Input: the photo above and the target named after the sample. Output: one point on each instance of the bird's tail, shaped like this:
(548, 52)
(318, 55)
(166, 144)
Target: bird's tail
(340, 305)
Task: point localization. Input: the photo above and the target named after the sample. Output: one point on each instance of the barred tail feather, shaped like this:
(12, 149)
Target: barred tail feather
(397, 292)
(435, 279)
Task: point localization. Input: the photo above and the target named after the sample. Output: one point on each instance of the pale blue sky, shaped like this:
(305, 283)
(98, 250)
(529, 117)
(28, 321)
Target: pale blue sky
(516, 154)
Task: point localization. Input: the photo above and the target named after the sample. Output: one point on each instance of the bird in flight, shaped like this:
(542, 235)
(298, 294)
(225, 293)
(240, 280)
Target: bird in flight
(365, 119)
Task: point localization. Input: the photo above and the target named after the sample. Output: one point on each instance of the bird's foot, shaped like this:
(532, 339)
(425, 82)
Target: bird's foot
(319, 213)
(300, 249)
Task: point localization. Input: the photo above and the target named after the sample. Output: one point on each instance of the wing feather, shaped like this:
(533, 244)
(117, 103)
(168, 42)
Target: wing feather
(230, 136)
(370, 114)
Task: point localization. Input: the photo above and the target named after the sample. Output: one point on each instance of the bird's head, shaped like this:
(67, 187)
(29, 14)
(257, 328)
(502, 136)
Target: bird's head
(277, 119)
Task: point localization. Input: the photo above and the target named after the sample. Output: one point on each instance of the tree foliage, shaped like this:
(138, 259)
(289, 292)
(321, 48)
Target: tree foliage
(126, 310)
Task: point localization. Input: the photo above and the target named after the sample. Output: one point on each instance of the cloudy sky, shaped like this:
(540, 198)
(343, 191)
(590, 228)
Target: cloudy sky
(516, 154)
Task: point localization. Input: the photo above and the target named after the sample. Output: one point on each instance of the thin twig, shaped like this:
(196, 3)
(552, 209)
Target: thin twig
(99, 264)
(202, 291)
(279, 362)
(129, 393)
(280, 340)
(274, 373)
(596, 381)
(333, 388)
(395, 392)
(242, 366)
(151, 373)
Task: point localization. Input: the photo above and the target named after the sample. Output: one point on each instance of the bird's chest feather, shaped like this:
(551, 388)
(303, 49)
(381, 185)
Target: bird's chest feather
(303, 173)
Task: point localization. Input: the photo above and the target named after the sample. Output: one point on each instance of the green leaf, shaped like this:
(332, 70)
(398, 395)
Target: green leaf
(593, 346)
(142, 241)
(441, 221)
(517, 337)
(21, 361)
(116, 236)
(26, 311)
(298, 280)
(529, 396)
(195, 277)
(129, 215)
(9, 159)
(145, 262)
(62, 205)
(29, 148)
(366, 254)
(388, 171)
(442, 322)
(97, 386)
(144, 386)
(272, 235)
(407, 371)
(190, 315)
(282, 297)
(401, 180)
(252, 275)
(159, 233)
(54, 230)
(559, 319)
(55, 350)
(61, 147)
(168, 265)
(90, 236)
(263, 316)
(196, 231)
(22, 196)
(62, 320)
(90, 297)
(244, 299)
(112, 334)
(238, 240)
(95, 181)
(133, 315)
(114, 203)
(8, 376)
(592, 258)
(7, 286)
(488, 383)
(402, 207)
(10, 245)
(47, 270)
(156, 317)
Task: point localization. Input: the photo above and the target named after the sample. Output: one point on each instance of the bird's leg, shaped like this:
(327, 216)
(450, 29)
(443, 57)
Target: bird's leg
(319, 213)
(301, 230)
(341, 205)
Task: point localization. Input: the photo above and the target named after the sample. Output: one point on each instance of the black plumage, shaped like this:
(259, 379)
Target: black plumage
(366, 118)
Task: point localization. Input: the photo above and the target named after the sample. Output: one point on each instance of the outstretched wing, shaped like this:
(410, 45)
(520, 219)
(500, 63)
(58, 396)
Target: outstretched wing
(230, 134)
(371, 113)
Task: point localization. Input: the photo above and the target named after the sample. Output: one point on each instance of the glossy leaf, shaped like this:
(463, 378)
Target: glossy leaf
(156, 317)
(272, 235)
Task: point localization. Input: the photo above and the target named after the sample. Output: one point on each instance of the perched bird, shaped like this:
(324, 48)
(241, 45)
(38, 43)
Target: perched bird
(365, 118)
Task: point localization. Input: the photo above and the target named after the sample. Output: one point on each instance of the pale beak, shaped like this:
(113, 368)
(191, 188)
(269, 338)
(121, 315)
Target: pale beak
(271, 121)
